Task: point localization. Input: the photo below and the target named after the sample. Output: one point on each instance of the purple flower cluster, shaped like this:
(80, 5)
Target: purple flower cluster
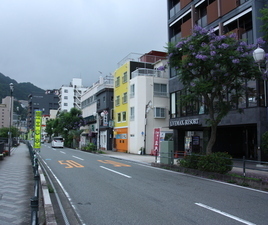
(161, 68)
(203, 57)
(235, 61)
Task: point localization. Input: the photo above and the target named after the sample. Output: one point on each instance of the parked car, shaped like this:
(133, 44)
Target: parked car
(57, 142)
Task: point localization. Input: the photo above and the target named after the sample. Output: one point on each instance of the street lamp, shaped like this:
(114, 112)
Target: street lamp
(10, 118)
(259, 57)
(147, 109)
(98, 118)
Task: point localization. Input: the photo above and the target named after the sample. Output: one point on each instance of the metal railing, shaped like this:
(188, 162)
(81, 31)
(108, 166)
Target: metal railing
(35, 198)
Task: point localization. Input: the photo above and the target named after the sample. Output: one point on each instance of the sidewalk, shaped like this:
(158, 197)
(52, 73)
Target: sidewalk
(16, 187)
(256, 171)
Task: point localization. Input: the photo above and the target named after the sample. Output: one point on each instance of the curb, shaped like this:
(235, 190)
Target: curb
(48, 207)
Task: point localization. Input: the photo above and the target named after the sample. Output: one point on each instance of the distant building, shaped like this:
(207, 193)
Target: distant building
(70, 95)
(5, 112)
(44, 102)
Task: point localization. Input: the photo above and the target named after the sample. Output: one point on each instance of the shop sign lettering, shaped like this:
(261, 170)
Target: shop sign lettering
(176, 123)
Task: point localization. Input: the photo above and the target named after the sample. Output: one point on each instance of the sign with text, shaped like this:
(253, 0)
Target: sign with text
(183, 122)
(156, 139)
(37, 129)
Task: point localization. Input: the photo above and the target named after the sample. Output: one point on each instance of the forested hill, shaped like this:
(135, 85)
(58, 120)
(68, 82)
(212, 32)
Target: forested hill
(21, 90)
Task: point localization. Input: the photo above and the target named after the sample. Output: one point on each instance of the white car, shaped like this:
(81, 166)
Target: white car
(57, 142)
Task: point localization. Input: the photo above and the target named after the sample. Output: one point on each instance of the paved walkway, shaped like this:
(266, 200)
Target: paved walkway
(16, 187)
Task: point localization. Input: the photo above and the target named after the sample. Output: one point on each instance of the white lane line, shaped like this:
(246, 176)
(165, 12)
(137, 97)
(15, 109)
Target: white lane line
(225, 214)
(77, 157)
(63, 152)
(115, 172)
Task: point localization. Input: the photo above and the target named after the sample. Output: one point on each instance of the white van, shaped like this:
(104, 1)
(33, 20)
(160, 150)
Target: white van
(57, 142)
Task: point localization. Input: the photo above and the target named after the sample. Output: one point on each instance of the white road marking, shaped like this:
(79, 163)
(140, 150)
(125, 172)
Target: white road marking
(63, 152)
(77, 157)
(115, 172)
(225, 214)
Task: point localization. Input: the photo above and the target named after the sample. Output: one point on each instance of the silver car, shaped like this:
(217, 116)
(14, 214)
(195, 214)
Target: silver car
(57, 142)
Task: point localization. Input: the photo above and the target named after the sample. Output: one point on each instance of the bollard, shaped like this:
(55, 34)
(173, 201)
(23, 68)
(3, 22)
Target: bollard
(244, 166)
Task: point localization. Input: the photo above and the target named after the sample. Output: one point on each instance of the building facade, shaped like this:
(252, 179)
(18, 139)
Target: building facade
(238, 133)
(133, 100)
(5, 107)
(70, 95)
(44, 102)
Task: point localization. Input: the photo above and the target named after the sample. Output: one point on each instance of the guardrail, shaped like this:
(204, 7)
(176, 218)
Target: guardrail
(35, 198)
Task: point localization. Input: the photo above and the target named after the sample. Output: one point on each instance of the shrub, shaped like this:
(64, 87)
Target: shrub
(190, 161)
(91, 147)
(219, 162)
(264, 140)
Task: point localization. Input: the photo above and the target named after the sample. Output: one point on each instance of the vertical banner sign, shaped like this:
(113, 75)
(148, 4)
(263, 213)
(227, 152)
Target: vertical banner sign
(156, 140)
(37, 129)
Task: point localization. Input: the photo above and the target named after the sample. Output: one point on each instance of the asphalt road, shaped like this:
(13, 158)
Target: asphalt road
(105, 190)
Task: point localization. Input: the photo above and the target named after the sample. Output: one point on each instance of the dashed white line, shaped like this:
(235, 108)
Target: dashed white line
(115, 172)
(225, 214)
(63, 152)
(77, 157)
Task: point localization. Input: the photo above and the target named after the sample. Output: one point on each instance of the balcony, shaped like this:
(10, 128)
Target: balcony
(149, 72)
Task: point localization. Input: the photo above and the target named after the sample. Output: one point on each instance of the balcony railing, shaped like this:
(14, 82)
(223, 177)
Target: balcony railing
(149, 72)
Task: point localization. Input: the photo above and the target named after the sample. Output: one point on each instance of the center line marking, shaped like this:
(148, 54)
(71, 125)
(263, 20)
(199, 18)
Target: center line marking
(77, 157)
(225, 214)
(115, 172)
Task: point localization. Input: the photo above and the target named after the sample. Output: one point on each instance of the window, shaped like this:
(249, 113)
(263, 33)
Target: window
(132, 91)
(65, 104)
(124, 78)
(117, 82)
(160, 90)
(132, 113)
(104, 99)
(65, 97)
(124, 98)
(117, 101)
(124, 116)
(65, 91)
(118, 117)
(159, 112)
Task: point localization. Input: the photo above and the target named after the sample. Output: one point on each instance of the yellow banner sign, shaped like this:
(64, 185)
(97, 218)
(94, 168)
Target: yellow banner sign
(37, 129)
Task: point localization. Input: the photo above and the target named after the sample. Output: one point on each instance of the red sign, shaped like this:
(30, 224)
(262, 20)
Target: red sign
(156, 140)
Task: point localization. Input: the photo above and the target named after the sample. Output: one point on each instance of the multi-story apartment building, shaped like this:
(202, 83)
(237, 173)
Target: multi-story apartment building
(132, 96)
(70, 95)
(97, 106)
(238, 134)
(44, 102)
(5, 108)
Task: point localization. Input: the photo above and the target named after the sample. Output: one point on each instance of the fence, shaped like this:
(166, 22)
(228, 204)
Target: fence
(35, 198)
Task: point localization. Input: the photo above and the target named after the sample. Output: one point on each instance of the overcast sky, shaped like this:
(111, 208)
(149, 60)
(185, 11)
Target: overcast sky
(48, 42)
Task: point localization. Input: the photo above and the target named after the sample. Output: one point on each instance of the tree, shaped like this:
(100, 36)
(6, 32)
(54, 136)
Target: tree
(66, 124)
(213, 70)
(264, 19)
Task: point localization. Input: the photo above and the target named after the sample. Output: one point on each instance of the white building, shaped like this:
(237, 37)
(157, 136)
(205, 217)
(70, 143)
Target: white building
(148, 107)
(90, 110)
(70, 95)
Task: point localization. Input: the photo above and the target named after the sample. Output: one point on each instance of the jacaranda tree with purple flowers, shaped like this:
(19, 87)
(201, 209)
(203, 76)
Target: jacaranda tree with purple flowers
(212, 69)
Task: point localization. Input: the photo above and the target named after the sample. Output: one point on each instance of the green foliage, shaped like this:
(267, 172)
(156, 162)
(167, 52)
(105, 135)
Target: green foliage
(264, 140)
(218, 162)
(21, 90)
(4, 132)
(190, 161)
(213, 70)
(264, 19)
(91, 147)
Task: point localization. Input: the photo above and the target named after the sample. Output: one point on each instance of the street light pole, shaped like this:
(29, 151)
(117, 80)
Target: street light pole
(10, 118)
(259, 57)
